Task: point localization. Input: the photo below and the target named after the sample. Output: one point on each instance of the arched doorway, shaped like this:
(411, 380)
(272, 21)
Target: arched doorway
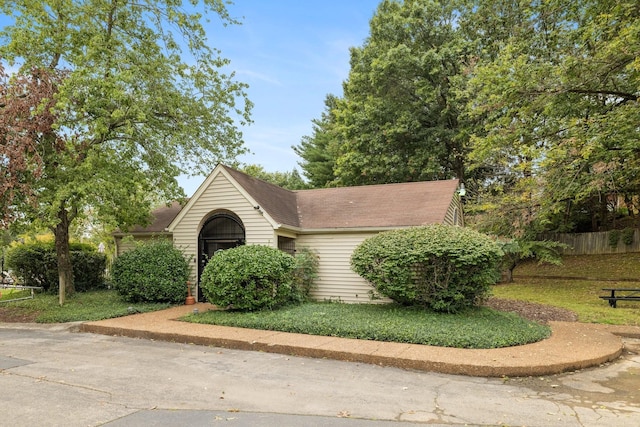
(223, 230)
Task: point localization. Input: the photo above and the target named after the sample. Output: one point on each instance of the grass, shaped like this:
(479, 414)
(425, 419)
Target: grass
(8, 293)
(85, 306)
(476, 328)
(579, 295)
(604, 267)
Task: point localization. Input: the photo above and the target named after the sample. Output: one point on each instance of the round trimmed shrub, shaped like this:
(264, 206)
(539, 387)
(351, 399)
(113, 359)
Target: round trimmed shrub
(444, 268)
(249, 278)
(151, 272)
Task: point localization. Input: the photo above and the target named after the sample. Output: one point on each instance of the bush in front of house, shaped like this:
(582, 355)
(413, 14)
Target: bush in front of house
(444, 268)
(152, 272)
(36, 265)
(251, 277)
(305, 272)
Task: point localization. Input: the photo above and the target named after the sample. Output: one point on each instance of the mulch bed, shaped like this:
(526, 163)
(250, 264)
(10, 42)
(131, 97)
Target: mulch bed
(535, 312)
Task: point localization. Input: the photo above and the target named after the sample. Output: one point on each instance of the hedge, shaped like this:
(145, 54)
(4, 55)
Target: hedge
(35, 264)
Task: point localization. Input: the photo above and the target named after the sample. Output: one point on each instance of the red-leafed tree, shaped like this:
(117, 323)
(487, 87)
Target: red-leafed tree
(26, 134)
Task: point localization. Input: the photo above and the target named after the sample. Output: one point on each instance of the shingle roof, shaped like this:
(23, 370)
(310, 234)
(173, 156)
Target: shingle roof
(278, 202)
(384, 205)
(388, 205)
(377, 206)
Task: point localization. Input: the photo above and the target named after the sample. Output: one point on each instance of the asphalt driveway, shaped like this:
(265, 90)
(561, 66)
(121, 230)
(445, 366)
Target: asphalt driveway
(50, 376)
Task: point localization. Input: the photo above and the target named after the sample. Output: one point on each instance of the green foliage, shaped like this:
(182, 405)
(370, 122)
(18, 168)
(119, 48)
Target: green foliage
(36, 265)
(306, 271)
(131, 106)
(251, 277)
(558, 98)
(532, 104)
(400, 117)
(289, 180)
(152, 272)
(85, 306)
(614, 238)
(445, 268)
(627, 236)
(473, 328)
(517, 250)
(320, 150)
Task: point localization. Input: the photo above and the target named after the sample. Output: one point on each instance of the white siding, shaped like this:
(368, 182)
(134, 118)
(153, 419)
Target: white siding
(220, 194)
(336, 280)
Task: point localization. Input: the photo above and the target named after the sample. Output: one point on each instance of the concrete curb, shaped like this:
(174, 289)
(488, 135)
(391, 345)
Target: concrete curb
(69, 326)
(572, 346)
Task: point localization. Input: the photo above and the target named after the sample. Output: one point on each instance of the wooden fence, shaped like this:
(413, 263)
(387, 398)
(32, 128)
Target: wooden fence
(594, 243)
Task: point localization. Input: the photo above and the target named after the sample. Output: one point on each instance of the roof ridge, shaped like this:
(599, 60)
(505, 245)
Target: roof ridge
(280, 203)
(253, 178)
(375, 185)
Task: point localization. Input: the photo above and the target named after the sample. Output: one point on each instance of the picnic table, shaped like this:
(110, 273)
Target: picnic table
(621, 294)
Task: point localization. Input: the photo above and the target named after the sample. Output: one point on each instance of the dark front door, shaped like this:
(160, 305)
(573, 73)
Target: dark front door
(221, 231)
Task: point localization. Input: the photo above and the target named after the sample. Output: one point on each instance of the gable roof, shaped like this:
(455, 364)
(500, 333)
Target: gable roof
(278, 202)
(367, 206)
(382, 205)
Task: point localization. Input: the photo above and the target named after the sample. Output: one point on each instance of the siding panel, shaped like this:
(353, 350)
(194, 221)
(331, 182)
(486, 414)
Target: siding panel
(336, 280)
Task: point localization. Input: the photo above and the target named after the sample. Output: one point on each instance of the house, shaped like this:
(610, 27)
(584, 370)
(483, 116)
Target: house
(231, 208)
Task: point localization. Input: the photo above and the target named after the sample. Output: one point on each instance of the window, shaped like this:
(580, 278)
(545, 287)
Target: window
(287, 244)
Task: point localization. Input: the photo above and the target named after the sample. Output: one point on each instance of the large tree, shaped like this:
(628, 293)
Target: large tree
(319, 151)
(118, 98)
(560, 104)
(399, 117)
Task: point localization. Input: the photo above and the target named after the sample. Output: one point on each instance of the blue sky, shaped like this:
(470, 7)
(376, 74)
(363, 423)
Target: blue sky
(292, 53)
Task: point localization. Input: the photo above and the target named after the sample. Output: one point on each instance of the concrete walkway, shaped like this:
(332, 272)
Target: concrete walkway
(571, 346)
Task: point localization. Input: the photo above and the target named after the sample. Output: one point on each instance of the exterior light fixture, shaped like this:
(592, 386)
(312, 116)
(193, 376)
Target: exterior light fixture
(462, 191)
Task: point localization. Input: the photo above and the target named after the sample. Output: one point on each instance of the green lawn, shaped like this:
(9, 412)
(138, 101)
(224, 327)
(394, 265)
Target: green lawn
(85, 306)
(609, 266)
(580, 296)
(476, 328)
(9, 294)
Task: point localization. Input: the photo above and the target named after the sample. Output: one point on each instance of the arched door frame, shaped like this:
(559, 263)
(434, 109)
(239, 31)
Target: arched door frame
(221, 230)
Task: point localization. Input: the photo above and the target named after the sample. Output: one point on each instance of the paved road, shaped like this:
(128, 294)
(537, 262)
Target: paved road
(53, 377)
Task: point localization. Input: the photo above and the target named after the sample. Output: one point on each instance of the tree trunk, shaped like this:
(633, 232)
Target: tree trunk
(63, 255)
(509, 272)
